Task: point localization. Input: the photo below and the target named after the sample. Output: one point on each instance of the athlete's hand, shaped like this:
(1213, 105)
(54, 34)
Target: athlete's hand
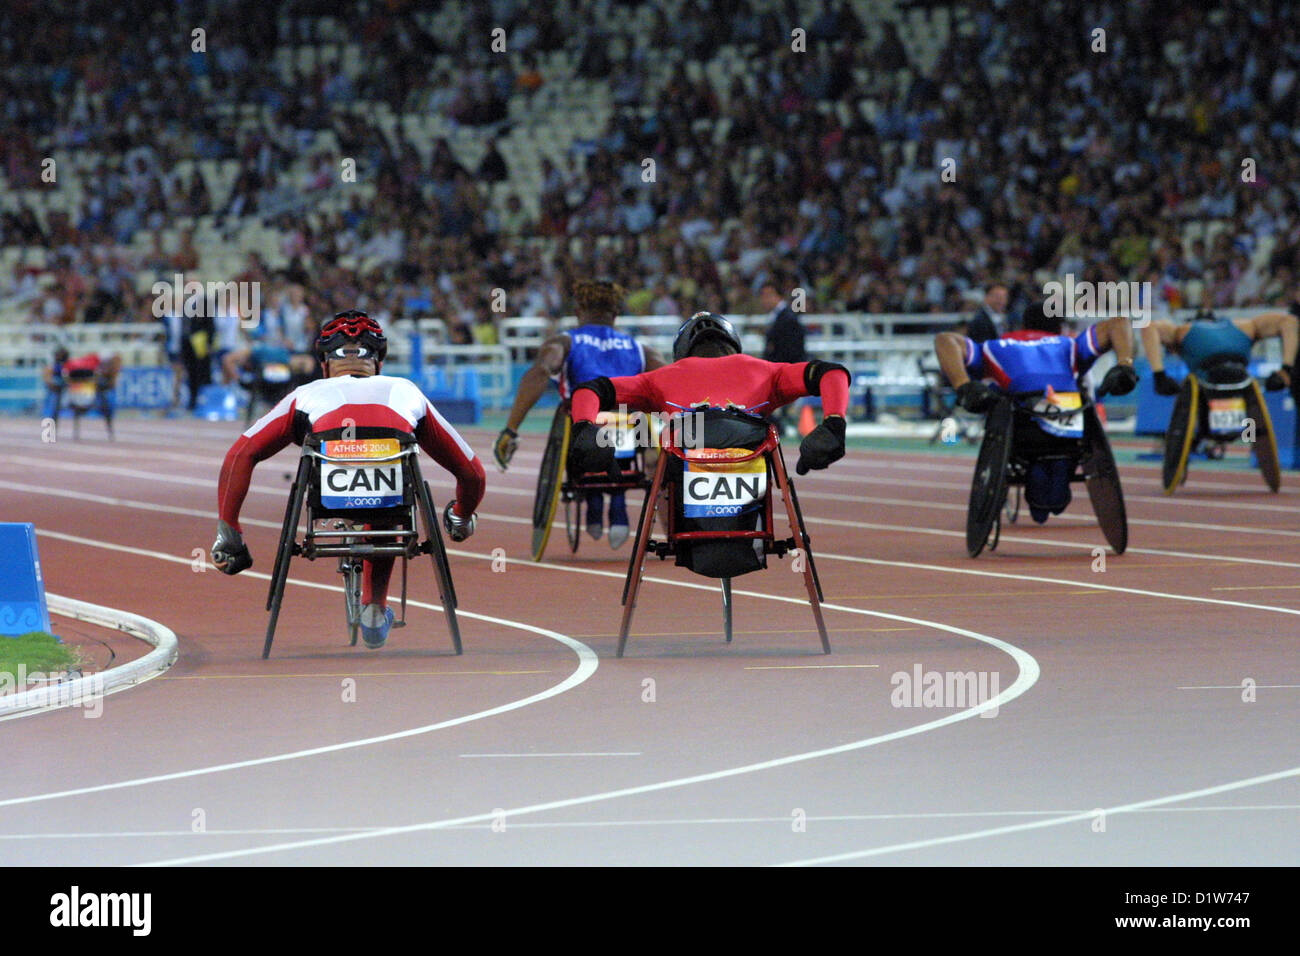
(1120, 380)
(503, 449)
(822, 446)
(1165, 385)
(458, 528)
(1279, 380)
(587, 452)
(976, 396)
(229, 553)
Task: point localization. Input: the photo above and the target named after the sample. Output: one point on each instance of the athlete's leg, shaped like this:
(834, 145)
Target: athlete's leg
(595, 514)
(618, 522)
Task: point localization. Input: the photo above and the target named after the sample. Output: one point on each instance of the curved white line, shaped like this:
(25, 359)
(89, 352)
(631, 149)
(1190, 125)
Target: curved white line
(587, 664)
(1056, 821)
(1025, 678)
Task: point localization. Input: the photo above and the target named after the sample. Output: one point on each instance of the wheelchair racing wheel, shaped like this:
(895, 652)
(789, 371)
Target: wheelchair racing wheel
(1101, 476)
(550, 479)
(1265, 446)
(989, 484)
(1180, 435)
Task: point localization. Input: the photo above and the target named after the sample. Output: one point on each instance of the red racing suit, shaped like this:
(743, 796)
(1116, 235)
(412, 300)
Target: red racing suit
(742, 380)
(375, 401)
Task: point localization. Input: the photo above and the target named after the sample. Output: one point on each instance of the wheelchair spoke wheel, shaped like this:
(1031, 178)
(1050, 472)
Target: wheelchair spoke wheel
(550, 478)
(572, 526)
(1180, 435)
(1101, 476)
(1011, 510)
(1265, 447)
(989, 484)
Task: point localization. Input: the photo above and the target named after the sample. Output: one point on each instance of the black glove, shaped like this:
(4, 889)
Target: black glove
(976, 396)
(1276, 382)
(590, 451)
(229, 553)
(822, 446)
(1165, 385)
(503, 449)
(1120, 380)
(458, 528)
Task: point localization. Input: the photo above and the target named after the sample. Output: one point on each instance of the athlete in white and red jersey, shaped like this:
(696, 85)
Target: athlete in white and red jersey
(709, 368)
(351, 348)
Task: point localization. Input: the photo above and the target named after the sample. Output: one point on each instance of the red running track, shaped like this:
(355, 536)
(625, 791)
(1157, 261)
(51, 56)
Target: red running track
(1114, 729)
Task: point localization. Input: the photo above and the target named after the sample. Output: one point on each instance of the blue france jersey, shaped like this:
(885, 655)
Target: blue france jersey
(1031, 361)
(599, 350)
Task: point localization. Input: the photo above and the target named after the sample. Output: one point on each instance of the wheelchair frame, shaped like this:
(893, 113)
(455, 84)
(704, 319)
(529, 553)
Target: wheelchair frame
(644, 544)
(351, 544)
(1000, 468)
(1188, 428)
(553, 486)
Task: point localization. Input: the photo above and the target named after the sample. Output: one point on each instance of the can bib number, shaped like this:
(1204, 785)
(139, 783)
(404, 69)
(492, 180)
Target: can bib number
(714, 487)
(1227, 415)
(359, 477)
(1060, 413)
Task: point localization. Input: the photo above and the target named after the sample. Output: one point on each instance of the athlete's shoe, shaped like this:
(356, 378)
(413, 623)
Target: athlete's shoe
(618, 523)
(376, 620)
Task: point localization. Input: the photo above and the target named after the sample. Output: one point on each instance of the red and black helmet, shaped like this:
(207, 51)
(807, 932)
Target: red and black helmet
(351, 330)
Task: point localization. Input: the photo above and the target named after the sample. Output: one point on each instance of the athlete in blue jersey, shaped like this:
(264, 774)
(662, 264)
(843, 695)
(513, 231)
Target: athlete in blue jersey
(1039, 359)
(595, 349)
(1211, 345)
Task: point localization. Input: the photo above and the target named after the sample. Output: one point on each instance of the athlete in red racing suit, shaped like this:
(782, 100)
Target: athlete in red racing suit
(352, 349)
(709, 368)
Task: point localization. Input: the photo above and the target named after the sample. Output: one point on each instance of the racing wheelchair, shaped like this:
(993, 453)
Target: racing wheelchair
(1212, 411)
(716, 471)
(554, 486)
(364, 497)
(1013, 444)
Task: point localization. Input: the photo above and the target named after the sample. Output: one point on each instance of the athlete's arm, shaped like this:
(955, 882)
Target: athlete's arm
(791, 380)
(952, 352)
(1282, 325)
(1117, 334)
(444, 445)
(267, 436)
(550, 359)
(1156, 337)
(640, 393)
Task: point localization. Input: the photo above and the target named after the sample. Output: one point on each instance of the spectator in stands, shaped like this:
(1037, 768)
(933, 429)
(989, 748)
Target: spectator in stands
(785, 337)
(990, 319)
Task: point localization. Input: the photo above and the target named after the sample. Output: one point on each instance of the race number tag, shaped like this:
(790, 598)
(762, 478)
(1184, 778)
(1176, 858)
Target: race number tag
(1060, 413)
(715, 487)
(81, 394)
(365, 473)
(1227, 415)
(624, 433)
(276, 373)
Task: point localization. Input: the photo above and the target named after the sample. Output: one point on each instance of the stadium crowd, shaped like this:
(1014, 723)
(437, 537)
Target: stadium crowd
(1065, 158)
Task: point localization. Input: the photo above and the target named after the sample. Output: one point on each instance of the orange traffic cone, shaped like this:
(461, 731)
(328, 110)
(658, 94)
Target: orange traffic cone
(1101, 413)
(806, 420)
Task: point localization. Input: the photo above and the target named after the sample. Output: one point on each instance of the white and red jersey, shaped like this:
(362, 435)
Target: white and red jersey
(375, 401)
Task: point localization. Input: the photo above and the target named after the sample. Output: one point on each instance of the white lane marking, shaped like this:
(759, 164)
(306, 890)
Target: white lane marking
(1026, 677)
(613, 753)
(587, 664)
(1054, 822)
(656, 822)
(1239, 687)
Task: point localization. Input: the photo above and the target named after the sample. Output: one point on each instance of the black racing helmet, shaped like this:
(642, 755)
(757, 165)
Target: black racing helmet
(1036, 319)
(349, 330)
(702, 326)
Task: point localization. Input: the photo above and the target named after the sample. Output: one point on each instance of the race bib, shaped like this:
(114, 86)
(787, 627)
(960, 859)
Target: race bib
(715, 487)
(626, 435)
(1227, 415)
(1060, 413)
(81, 394)
(359, 476)
(275, 373)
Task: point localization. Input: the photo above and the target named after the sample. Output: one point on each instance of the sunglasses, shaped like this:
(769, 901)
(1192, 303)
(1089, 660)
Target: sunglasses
(351, 351)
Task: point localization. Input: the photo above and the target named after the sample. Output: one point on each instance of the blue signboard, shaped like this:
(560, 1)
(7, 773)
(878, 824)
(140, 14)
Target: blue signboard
(22, 590)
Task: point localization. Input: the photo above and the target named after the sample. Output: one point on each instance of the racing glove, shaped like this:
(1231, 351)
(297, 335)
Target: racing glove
(1120, 380)
(822, 446)
(229, 553)
(1164, 385)
(503, 449)
(976, 396)
(588, 451)
(458, 528)
(1275, 382)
